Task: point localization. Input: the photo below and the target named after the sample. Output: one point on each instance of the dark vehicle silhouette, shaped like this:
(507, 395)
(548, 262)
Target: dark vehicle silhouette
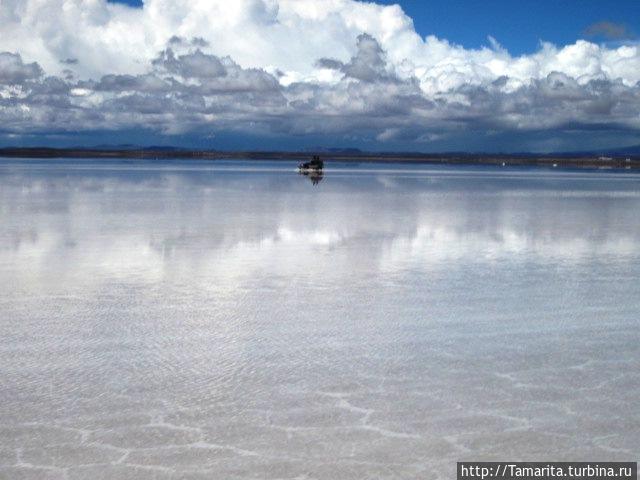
(314, 165)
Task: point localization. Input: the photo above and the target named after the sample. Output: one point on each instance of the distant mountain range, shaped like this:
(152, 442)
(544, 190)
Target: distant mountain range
(631, 150)
(626, 157)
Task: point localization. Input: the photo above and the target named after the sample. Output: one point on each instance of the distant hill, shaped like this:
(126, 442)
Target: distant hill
(626, 157)
(334, 150)
(633, 150)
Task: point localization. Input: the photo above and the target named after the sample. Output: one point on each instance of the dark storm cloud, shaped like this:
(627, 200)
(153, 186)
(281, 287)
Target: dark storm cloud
(186, 89)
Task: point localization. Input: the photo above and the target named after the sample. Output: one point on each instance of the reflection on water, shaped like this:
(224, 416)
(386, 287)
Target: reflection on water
(225, 320)
(314, 176)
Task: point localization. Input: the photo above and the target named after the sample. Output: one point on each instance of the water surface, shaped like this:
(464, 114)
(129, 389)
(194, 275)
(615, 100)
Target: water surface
(197, 320)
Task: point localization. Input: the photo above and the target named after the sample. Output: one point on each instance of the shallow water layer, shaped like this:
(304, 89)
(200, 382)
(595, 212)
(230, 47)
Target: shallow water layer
(233, 320)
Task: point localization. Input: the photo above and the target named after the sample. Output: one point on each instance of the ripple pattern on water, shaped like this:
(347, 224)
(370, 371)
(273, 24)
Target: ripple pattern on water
(192, 320)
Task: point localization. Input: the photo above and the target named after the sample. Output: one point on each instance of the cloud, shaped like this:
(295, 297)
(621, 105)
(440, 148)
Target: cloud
(192, 65)
(369, 63)
(289, 35)
(293, 67)
(608, 30)
(14, 71)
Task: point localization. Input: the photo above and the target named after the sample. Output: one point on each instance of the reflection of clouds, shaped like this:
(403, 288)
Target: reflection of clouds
(228, 303)
(118, 256)
(286, 253)
(387, 181)
(224, 226)
(310, 238)
(113, 256)
(29, 246)
(122, 257)
(432, 244)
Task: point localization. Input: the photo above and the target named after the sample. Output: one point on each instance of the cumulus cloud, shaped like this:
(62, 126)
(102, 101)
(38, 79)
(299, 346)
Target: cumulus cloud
(14, 71)
(369, 63)
(293, 67)
(192, 65)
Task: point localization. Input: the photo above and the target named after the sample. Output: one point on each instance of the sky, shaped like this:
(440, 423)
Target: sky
(430, 75)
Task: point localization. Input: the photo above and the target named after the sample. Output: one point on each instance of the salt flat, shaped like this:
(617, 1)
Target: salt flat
(188, 320)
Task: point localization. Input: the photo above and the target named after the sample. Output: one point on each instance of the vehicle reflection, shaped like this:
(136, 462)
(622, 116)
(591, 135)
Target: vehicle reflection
(314, 176)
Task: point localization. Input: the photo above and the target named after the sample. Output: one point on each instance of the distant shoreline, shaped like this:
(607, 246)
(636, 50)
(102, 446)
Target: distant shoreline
(550, 160)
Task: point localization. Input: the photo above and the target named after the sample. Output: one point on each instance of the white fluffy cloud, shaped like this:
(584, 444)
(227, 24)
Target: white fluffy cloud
(291, 67)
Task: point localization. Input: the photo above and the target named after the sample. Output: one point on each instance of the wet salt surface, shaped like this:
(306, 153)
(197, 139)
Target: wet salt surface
(192, 320)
